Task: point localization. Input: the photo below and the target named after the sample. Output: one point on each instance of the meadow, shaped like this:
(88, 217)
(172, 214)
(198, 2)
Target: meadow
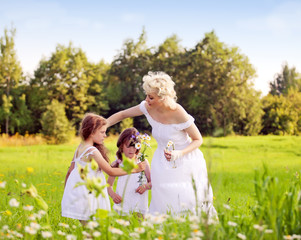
(231, 163)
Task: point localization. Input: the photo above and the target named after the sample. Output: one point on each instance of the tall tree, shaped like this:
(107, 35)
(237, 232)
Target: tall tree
(288, 78)
(123, 83)
(66, 76)
(10, 72)
(216, 87)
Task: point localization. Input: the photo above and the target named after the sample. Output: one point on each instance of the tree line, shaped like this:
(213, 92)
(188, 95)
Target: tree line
(214, 83)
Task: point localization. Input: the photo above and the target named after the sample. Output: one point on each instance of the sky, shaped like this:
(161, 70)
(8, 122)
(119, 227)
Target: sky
(267, 31)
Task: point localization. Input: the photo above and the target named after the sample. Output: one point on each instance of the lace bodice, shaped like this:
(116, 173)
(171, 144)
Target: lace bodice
(166, 132)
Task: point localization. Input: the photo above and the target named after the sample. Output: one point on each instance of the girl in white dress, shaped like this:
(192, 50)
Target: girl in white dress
(131, 191)
(179, 177)
(78, 202)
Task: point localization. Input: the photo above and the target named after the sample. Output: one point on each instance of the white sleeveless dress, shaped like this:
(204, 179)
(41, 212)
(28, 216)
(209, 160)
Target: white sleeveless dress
(172, 186)
(132, 201)
(77, 202)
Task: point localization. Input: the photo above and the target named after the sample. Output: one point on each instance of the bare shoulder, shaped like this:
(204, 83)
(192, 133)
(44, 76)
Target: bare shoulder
(180, 114)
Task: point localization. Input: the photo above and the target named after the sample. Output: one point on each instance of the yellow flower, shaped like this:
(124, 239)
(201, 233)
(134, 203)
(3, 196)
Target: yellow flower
(7, 213)
(29, 170)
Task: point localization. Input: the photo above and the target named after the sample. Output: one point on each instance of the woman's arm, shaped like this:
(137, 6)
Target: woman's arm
(106, 167)
(119, 116)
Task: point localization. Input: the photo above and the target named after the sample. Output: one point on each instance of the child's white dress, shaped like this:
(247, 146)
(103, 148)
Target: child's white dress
(132, 201)
(77, 202)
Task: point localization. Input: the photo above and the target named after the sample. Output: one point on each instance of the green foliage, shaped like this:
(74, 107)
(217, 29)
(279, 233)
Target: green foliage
(10, 75)
(68, 77)
(126, 123)
(55, 125)
(287, 79)
(282, 114)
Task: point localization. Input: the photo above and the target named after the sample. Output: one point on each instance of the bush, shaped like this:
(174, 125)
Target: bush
(55, 126)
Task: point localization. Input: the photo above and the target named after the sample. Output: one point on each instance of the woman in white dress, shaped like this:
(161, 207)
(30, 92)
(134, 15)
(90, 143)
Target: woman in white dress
(78, 202)
(179, 177)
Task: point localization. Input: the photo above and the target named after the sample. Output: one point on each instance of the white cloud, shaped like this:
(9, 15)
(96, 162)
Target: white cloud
(131, 17)
(285, 18)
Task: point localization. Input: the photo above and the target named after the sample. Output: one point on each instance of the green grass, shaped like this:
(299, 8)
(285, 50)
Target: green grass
(230, 161)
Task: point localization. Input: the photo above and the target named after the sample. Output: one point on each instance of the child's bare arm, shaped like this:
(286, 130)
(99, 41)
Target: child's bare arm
(69, 171)
(116, 198)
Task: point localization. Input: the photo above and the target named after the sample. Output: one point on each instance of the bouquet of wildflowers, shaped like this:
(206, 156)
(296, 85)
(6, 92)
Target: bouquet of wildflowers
(171, 146)
(142, 142)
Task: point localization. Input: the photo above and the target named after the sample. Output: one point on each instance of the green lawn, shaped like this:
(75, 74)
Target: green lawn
(230, 161)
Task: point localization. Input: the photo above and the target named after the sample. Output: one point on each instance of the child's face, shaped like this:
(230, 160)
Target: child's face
(99, 135)
(129, 149)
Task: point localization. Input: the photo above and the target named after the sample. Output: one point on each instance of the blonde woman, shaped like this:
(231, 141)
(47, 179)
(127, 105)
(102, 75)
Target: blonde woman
(179, 177)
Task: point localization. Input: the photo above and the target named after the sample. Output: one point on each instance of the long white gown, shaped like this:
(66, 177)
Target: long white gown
(172, 184)
(77, 202)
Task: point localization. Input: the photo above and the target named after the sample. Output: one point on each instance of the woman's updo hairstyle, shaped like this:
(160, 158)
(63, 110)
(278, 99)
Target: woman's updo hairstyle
(161, 84)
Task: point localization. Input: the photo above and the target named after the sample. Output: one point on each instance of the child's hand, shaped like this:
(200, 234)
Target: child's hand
(116, 198)
(141, 167)
(167, 154)
(141, 189)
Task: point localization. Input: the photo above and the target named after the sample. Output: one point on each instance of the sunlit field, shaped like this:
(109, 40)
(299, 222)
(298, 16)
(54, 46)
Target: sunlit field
(231, 164)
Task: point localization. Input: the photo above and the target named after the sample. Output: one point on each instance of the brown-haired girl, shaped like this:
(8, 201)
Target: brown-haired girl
(131, 191)
(77, 202)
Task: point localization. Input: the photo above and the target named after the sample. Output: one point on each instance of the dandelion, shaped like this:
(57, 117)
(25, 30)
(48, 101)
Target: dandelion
(115, 230)
(295, 236)
(179, 219)
(134, 235)
(59, 232)
(147, 224)
(194, 226)
(7, 213)
(123, 222)
(42, 212)
(46, 234)
(29, 170)
(194, 218)
(2, 184)
(32, 217)
(173, 235)
(139, 230)
(232, 224)
(287, 237)
(35, 225)
(5, 228)
(28, 208)
(64, 225)
(241, 236)
(86, 234)
(19, 226)
(30, 230)
(258, 227)
(226, 206)
(96, 234)
(197, 233)
(70, 237)
(91, 225)
(19, 235)
(14, 203)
